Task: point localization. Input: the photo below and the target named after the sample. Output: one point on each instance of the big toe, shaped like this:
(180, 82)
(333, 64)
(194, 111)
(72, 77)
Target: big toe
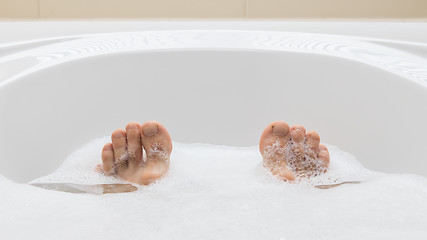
(273, 144)
(275, 133)
(156, 141)
(158, 147)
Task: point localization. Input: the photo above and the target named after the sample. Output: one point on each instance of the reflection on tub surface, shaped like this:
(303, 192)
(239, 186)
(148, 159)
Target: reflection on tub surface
(218, 192)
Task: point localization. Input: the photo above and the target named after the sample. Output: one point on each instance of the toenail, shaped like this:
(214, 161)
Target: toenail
(117, 134)
(298, 128)
(280, 131)
(108, 147)
(150, 130)
(132, 126)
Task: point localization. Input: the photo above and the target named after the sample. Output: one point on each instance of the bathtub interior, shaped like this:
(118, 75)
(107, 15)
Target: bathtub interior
(217, 96)
(218, 87)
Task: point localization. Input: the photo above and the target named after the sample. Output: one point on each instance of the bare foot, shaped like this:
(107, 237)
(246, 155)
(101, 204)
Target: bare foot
(124, 156)
(291, 153)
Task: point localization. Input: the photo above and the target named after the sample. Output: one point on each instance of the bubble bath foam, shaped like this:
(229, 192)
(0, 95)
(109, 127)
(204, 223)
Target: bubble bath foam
(218, 192)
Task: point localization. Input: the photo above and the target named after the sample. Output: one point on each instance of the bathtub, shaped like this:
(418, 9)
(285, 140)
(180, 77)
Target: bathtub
(212, 86)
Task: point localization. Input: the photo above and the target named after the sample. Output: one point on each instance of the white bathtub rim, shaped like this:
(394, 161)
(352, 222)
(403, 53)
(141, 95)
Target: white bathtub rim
(79, 36)
(59, 44)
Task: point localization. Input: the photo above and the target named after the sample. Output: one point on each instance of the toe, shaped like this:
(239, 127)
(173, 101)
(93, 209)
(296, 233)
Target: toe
(156, 141)
(274, 131)
(280, 129)
(312, 141)
(118, 139)
(108, 158)
(134, 145)
(287, 175)
(158, 146)
(324, 154)
(297, 133)
(272, 146)
(283, 173)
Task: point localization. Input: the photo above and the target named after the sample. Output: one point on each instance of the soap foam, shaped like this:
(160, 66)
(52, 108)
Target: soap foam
(217, 192)
(227, 162)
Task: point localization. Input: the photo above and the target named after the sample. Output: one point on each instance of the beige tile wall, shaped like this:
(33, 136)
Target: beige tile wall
(45, 9)
(19, 8)
(141, 8)
(337, 8)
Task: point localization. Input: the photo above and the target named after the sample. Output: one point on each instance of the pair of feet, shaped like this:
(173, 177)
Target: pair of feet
(141, 153)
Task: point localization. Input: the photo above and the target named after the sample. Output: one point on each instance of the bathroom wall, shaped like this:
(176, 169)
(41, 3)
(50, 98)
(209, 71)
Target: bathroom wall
(289, 9)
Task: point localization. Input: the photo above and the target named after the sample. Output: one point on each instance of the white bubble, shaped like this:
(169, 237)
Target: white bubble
(218, 192)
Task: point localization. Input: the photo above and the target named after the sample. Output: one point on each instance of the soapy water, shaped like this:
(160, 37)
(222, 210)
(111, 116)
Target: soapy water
(217, 192)
(231, 163)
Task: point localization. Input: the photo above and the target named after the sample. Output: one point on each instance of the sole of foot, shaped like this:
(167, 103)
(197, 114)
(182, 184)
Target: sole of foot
(139, 154)
(291, 153)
